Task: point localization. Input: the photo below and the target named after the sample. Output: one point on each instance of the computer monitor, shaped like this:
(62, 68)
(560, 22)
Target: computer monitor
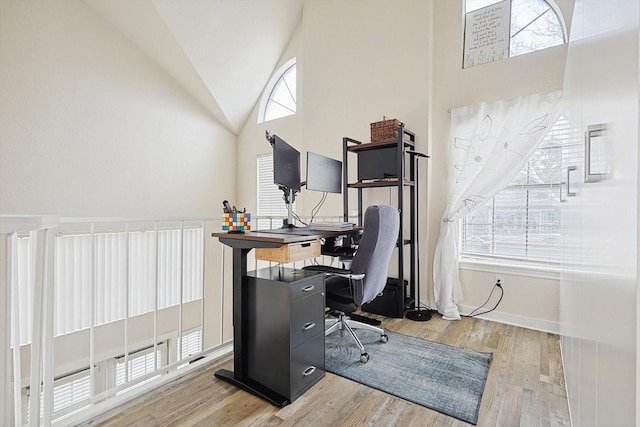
(286, 164)
(378, 164)
(323, 173)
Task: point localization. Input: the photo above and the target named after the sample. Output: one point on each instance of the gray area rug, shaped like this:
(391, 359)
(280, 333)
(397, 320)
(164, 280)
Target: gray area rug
(446, 379)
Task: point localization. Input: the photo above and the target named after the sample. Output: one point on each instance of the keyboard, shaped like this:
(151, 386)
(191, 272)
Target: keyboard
(331, 226)
(300, 231)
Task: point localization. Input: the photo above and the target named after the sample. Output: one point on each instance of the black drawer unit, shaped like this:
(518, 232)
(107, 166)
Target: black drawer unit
(285, 329)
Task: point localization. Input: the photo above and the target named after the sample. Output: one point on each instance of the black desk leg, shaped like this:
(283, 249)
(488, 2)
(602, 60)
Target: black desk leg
(239, 376)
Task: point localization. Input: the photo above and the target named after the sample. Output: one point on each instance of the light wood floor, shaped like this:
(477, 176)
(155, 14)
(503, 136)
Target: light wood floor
(525, 387)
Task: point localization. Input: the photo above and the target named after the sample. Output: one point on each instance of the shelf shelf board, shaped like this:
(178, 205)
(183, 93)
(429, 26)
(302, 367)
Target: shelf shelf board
(384, 183)
(377, 145)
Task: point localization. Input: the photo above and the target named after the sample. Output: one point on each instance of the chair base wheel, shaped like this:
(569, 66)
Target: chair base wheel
(364, 357)
(384, 338)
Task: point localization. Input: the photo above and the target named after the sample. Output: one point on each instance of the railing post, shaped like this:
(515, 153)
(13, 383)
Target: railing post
(181, 285)
(37, 242)
(155, 296)
(202, 287)
(14, 299)
(40, 230)
(126, 301)
(5, 331)
(48, 314)
(92, 310)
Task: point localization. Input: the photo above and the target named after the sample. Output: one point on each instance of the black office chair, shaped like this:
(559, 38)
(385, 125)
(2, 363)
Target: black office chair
(348, 289)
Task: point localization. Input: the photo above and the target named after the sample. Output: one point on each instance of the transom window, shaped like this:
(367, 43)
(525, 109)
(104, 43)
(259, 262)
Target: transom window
(497, 29)
(279, 99)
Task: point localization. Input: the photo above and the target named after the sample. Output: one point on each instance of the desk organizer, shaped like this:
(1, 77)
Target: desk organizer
(236, 222)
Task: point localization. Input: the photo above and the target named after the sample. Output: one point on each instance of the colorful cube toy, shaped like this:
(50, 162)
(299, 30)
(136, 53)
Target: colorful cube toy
(236, 222)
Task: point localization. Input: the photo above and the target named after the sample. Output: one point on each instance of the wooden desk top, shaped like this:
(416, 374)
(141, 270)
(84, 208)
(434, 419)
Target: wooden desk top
(257, 236)
(280, 238)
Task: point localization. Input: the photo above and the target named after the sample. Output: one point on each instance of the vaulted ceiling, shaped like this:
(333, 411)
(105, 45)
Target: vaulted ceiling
(222, 52)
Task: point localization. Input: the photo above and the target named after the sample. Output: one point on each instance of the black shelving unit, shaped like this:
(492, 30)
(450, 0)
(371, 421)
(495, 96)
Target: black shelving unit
(405, 180)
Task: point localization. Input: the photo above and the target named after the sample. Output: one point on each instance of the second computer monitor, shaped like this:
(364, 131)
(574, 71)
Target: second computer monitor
(323, 173)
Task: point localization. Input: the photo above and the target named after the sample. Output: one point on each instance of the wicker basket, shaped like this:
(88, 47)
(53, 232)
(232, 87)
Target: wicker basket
(385, 130)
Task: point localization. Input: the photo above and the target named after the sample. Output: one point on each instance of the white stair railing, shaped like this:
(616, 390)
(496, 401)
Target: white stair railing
(99, 310)
(100, 307)
(40, 231)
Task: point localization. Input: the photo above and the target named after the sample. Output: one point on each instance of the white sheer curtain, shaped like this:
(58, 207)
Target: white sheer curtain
(489, 144)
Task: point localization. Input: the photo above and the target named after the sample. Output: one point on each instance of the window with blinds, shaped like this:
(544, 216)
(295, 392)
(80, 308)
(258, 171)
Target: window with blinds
(75, 388)
(141, 363)
(68, 390)
(191, 344)
(271, 207)
(168, 263)
(522, 222)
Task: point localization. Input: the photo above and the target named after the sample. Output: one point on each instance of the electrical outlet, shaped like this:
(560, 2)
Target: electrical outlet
(498, 279)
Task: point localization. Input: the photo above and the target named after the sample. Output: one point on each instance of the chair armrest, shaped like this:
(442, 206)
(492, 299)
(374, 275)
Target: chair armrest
(335, 271)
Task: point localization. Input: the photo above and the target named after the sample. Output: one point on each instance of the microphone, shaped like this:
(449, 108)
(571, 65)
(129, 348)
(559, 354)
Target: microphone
(415, 153)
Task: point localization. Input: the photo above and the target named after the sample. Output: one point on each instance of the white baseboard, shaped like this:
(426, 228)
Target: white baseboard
(516, 320)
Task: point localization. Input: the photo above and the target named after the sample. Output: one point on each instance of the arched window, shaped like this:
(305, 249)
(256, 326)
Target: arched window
(279, 99)
(535, 25)
(531, 25)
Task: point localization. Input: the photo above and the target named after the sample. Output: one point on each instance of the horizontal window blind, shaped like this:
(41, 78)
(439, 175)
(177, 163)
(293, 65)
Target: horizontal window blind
(140, 363)
(191, 344)
(522, 222)
(71, 390)
(270, 197)
(179, 273)
(67, 391)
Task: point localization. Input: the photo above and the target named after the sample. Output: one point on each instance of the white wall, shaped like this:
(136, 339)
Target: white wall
(599, 289)
(402, 59)
(529, 300)
(355, 64)
(252, 141)
(363, 63)
(343, 86)
(351, 72)
(91, 127)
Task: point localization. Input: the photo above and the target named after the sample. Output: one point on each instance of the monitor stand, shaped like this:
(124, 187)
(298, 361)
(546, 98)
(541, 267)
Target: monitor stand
(290, 197)
(290, 227)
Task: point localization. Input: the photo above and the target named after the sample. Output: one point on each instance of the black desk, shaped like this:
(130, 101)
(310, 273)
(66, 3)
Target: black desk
(242, 244)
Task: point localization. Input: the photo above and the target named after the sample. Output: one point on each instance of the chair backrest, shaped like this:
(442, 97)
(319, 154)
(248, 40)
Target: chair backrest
(379, 238)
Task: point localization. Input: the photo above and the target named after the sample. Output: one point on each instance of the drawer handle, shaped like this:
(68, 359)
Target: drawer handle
(308, 288)
(305, 245)
(310, 370)
(308, 326)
